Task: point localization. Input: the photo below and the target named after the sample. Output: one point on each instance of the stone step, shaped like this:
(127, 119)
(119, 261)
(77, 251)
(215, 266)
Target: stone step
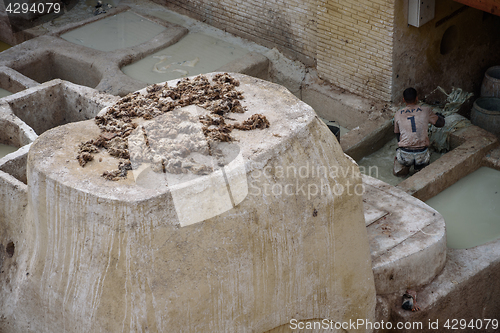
(407, 237)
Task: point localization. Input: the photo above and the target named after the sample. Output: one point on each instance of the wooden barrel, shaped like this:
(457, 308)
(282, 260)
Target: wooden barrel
(491, 82)
(486, 114)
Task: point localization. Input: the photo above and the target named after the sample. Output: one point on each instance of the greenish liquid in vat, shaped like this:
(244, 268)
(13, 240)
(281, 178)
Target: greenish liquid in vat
(6, 149)
(471, 209)
(4, 93)
(116, 32)
(194, 54)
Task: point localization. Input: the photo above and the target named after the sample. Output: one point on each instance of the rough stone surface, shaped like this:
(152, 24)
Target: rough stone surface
(115, 252)
(407, 238)
(13, 81)
(466, 289)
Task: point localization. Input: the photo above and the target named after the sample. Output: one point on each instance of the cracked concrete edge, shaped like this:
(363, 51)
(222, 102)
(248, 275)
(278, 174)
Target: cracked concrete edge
(367, 138)
(103, 67)
(18, 132)
(253, 64)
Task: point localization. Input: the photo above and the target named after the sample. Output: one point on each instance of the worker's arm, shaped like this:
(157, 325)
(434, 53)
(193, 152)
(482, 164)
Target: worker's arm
(440, 122)
(396, 130)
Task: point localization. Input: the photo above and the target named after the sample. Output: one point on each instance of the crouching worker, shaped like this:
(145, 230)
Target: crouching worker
(410, 126)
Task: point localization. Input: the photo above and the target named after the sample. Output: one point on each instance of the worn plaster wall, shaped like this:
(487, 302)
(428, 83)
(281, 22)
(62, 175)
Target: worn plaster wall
(454, 49)
(349, 42)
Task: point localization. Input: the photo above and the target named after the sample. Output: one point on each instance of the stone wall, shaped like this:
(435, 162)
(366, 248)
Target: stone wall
(355, 45)
(349, 42)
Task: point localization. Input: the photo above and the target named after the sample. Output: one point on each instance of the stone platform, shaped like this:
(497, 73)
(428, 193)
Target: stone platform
(117, 253)
(407, 238)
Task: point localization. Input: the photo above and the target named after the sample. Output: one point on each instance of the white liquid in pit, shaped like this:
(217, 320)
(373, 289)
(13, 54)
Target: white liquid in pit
(471, 209)
(4, 93)
(194, 54)
(5, 149)
(380, 163)
(116, 32)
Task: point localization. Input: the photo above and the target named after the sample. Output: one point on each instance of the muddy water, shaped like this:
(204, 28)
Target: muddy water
(380, 163)
(5, 149)
(4, 93)
(170, 17)
(116, 32)
(471, 209)
(194, 54)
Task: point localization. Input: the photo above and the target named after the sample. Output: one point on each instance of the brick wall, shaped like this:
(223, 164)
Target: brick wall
(355, 45)
(349, 41)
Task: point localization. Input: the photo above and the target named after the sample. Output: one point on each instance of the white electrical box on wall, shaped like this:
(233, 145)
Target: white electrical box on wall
(420, 12)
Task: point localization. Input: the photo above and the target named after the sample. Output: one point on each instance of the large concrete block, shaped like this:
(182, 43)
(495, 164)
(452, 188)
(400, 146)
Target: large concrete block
(113, 256)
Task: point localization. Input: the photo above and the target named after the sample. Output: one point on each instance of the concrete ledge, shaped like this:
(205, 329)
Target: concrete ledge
(13, 81)
(15, 132)
(15, 164)
(466, 289)
(253, 64)
(331, 103)
(367, 138)
(127, 260)
(407, 239)
(492, 159)
(56, 103)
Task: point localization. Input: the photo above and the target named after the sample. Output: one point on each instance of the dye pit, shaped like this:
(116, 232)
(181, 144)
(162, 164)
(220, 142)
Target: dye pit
(6, 149)
(194, 54)
(4, 46)
(4, 93)
(116, 32)
(380, 163)
(471, 209)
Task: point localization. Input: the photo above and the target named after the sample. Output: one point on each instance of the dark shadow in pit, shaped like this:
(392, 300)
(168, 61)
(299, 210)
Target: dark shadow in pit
(56, 104)
(47, 66)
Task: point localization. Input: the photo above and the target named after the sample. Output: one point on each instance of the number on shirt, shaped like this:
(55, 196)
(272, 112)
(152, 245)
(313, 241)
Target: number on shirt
(412, 121)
